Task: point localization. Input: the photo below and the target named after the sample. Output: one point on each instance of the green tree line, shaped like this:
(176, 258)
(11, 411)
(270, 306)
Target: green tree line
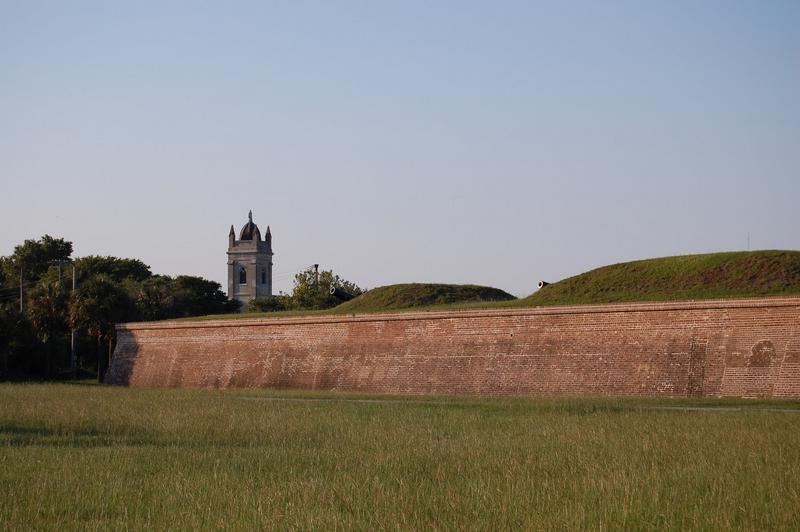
(39, 308)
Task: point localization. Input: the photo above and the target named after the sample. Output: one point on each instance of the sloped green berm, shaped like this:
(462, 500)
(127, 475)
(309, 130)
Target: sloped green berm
(708, 276)
(404, 296)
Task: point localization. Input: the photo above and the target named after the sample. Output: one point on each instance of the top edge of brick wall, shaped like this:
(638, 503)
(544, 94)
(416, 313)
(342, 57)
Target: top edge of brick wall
(410, 315)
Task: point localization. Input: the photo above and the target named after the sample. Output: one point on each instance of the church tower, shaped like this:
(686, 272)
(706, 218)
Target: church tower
(249, 263)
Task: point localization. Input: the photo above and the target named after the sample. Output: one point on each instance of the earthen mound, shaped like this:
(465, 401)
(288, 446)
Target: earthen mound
(403, 296)
(707, 276)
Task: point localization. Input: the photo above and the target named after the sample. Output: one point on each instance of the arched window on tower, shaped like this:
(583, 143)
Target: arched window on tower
(264, 276)
(242, 276)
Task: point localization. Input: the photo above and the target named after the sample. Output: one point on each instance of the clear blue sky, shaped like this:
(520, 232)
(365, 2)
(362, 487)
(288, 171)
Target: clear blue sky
(471, 142)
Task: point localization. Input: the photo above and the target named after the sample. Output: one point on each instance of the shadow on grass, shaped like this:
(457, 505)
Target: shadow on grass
(12, 435)
(87, 382)
(26, 436)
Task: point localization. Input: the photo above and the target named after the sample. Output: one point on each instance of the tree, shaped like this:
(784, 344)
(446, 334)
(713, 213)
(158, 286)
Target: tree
(162, 297)
(33, 257)
(48, 313)
(96, 306)
(115, 268)
(153, 297)
(270, 303)
(16, 341)
(310, 294)
(110, 290)
(195, 296)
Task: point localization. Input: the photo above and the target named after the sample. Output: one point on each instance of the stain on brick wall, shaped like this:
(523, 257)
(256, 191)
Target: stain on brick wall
(746, 348)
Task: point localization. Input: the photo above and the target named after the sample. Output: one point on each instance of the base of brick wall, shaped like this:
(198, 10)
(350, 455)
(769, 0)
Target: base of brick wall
(740, 348)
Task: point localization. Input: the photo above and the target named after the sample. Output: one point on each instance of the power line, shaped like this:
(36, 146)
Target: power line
(15, 290)
(32, 263)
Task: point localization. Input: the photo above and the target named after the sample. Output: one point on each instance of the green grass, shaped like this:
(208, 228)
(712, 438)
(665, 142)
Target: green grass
(88, 457)
(404, 296)
(709, 276)
(397, 297)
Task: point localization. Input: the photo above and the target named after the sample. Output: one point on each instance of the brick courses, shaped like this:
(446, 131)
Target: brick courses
(743, 348)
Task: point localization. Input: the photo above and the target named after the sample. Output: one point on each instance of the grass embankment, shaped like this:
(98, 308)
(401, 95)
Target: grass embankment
(397, 297)
(82, 457)
(414, 295)
(708, 276)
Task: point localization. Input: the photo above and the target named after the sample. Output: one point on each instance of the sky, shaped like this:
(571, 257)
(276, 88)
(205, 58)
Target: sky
(494, 143)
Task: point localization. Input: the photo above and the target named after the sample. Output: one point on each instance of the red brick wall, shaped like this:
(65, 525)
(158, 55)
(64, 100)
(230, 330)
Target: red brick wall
(746, 347)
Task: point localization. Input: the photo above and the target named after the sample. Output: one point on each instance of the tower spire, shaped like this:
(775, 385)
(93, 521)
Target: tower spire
(249, 263)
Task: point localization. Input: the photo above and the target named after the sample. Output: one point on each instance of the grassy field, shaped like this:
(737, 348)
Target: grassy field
(89, 457)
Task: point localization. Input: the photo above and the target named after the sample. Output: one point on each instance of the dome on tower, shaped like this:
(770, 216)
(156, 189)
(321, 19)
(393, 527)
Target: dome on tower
(250, 230)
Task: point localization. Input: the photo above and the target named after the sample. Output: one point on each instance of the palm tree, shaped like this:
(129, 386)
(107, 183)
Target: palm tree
(47, 311)
(96, 306)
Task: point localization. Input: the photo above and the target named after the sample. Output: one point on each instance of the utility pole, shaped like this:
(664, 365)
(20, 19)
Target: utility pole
(73, 358)
(21, 291)
(316, 274)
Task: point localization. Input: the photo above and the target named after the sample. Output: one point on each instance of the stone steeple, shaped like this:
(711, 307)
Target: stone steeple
(249, 263)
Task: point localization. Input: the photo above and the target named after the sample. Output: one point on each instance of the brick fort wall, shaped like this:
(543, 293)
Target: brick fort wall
(743, 348)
